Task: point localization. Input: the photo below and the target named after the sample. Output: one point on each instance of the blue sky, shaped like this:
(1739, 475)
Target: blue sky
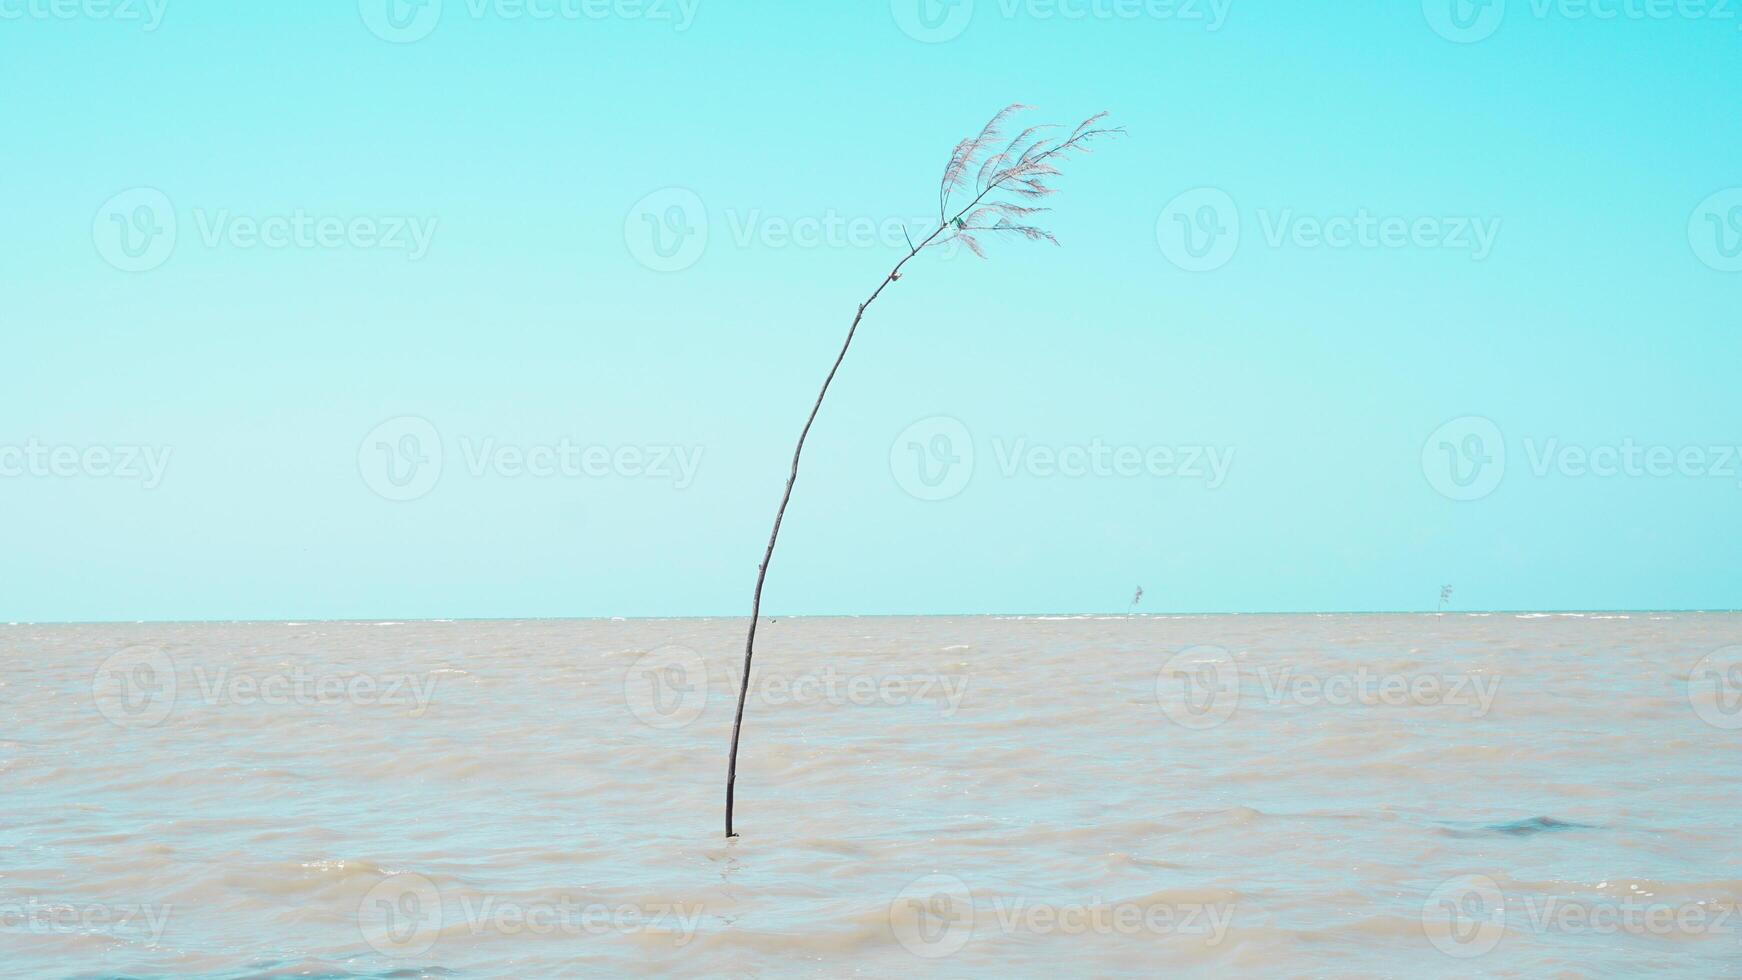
(499, 308)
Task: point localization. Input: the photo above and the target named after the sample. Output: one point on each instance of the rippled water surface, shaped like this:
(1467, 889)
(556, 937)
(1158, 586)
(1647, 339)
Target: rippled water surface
(1360, 795)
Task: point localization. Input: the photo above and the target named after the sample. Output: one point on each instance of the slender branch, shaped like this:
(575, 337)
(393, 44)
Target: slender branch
(779, 515)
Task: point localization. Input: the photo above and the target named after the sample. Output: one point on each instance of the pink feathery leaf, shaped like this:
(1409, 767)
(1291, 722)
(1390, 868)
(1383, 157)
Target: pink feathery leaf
(1084, 126)
(958, 165)
(996, 162)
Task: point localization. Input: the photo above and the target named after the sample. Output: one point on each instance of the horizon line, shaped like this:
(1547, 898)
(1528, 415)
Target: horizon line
(954, 615)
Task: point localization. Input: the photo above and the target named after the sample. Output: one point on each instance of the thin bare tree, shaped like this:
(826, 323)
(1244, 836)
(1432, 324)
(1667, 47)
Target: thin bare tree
(1000, 181)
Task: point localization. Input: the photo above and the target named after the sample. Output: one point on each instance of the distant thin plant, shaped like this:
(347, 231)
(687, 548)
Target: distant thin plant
(1134, 601)
(1001, 182)
(1445, 597)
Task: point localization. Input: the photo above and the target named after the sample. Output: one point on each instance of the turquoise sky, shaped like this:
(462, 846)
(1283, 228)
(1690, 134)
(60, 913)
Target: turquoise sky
(515, 307)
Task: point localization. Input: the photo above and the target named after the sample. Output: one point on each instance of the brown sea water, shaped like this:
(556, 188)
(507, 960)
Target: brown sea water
(978, 796)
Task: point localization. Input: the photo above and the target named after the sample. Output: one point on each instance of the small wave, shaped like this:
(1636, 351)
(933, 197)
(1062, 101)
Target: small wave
(1528, 827)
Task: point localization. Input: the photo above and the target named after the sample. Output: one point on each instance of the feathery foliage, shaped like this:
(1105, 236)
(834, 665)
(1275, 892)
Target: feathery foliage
(1006, 179)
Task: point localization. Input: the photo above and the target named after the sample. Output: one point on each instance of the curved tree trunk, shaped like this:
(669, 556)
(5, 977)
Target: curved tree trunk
(762, 570)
